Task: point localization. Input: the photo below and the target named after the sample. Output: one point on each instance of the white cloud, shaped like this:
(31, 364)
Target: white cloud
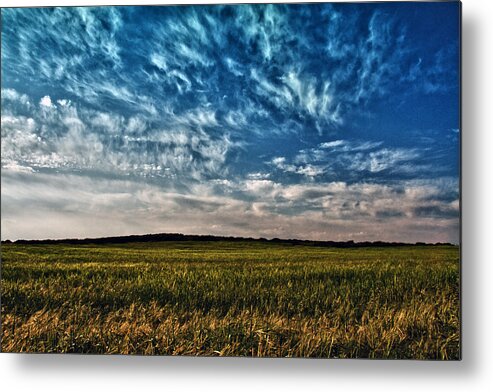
(258, 176)
(347, 156)
(335, 143)
(77, 138)
(234, 67)
(79, 206)
(12, 95)
(46, 102)
(159, 61)
(389, 158)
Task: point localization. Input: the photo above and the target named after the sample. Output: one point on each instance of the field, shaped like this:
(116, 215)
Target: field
(231, 298)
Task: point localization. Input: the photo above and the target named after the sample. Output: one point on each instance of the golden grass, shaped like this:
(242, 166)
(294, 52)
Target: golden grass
(232, 299)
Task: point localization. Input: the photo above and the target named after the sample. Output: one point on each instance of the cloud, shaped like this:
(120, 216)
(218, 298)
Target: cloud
(267, 119)
(307, 170)
(70, 137)
(46, 102)
(79, 206)
(352, 159)
(350, 145)
(12, 96)
(304, 94)
(297, 63)
(335, 143)
(385, 159)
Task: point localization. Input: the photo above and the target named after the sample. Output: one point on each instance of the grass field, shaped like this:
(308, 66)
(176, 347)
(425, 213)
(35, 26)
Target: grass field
(231, 298)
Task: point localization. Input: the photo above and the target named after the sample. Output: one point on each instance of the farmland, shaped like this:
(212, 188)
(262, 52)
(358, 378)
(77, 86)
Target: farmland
(231, 299)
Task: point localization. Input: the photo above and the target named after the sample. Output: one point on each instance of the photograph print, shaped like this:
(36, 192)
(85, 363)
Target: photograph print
(254, 180)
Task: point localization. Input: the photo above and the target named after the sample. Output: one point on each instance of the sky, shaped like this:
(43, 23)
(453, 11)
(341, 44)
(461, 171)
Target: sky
(314, 121)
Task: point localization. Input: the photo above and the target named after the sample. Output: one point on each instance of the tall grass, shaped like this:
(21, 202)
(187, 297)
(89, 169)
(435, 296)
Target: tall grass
(248, 299)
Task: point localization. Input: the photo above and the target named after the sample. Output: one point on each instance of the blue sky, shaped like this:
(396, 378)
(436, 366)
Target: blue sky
(320, 121)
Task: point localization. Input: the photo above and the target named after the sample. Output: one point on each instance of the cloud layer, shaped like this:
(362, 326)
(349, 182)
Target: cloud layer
(312, 121)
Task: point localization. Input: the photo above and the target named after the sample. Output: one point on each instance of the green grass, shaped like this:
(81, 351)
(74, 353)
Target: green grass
(231, 298)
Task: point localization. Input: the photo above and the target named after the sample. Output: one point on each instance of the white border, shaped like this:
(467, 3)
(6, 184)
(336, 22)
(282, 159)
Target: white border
(89, 373)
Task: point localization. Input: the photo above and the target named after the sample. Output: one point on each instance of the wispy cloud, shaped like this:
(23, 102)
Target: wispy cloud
(73, 138)
(276, 59)
(247, 119)
(354, 159)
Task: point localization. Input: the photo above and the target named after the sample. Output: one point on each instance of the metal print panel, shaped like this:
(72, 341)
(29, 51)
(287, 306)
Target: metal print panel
(268, 180)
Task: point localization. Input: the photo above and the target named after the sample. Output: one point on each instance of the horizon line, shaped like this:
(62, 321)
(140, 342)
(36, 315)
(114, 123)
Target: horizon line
(169, 236)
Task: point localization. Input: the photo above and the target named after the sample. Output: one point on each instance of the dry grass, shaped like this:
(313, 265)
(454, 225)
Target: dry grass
(232, 299)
